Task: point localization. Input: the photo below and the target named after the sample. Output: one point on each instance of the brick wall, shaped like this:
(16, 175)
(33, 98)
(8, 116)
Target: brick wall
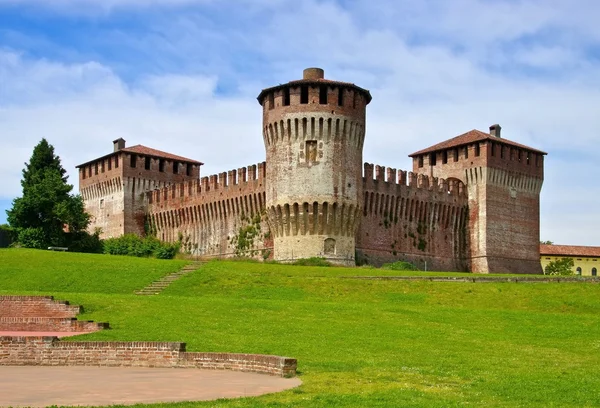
(36, 306)
(208, 214)
(42, 313)
(412, 217)
(51, 351)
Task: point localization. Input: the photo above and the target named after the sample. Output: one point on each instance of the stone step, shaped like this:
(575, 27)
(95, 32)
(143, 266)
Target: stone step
(157, 286)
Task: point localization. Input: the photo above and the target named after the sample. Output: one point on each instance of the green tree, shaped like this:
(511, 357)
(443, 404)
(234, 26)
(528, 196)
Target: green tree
(546, 242)
(47, 208)
(562, 266)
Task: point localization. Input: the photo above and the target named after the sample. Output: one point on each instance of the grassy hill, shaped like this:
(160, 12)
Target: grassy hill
(358, 342)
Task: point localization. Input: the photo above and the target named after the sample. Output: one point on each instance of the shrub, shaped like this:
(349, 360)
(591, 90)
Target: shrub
(314, 261)
(32, 238)
(133, 245)
(83, 241)
(400, 266)
(7, 235)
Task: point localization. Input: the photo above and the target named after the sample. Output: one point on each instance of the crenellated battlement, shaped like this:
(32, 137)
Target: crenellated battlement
(213, 187)
(381, 178)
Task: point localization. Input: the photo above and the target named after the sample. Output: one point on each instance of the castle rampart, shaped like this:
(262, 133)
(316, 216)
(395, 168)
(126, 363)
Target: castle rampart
(412, 217)
(209, 215)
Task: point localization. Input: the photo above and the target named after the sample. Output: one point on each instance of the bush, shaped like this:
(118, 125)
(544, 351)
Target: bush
(314, 261)
(7, 235)
(32, 238)
(83, 241)
(166, 251)
(133, 245)
(400, 266)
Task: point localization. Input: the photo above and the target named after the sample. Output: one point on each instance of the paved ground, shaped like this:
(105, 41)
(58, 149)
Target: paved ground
(37, 333)
(42, 386)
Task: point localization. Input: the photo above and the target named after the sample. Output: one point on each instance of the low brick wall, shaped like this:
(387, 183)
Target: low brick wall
(43, 314)
(52, 351)
(36, 306)
(258, 363)
(49, 324)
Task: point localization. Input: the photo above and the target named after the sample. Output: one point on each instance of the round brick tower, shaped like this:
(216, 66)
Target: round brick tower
(314, 132)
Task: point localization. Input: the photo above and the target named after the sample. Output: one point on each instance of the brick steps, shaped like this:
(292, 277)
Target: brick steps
(158, 286)
(42, 314)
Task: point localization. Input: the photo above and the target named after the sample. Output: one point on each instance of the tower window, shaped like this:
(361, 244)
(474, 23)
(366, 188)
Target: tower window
(323, 94)
(501, 152)
(175, 167)
(520, 154)
(456, 154)
(116, 162)
(286, 97)
(594, 272)
(466, 152)
(133, 161)
(271, 100)
(147, 163)
(109, 162)
(304, 94)
(161, 165)
(340, 96)
(420, 161)
(477, 150)
(493, 148)
(96, 168)
(188, 170)
(433, 158)
(311, 151)
(82, 170)
(445, 157)
(102, 166)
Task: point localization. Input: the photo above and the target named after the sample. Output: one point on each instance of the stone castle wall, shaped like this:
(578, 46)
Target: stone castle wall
(412, 217)
(222, 215)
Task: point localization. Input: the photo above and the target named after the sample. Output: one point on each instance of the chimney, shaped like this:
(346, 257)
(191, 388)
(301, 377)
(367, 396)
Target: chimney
(313, 73)
(119, 144)
(495, 130)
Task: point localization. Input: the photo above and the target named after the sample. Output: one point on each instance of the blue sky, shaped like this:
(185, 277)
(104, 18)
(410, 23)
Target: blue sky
(183, 75)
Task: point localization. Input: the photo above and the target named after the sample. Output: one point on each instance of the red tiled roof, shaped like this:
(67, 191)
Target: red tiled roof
(569, 250)
(471, 136)
(316, 81)
(148, 151)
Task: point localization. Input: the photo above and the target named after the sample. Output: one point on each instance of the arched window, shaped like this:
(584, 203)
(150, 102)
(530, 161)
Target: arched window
(594, 272)
(578, 270)
(329, 246)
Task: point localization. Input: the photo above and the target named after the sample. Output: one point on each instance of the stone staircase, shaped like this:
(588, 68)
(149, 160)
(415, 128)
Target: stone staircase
(158, 286)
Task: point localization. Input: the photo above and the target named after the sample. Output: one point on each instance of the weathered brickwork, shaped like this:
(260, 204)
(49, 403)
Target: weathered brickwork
(114, 186)
(219, 215)
(471, 202)
(412, 217)
(50, 351)
(503, 180)
(42, 313)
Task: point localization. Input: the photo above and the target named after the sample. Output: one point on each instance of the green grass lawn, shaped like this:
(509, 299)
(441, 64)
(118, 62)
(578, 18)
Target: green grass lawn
(358, 342)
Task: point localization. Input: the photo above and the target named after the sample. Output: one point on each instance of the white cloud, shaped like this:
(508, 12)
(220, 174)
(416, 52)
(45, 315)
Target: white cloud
(435, 69)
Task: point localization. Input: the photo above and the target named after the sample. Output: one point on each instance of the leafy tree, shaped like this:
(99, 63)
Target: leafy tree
(47, 214)
(546, 242)
(562, 266)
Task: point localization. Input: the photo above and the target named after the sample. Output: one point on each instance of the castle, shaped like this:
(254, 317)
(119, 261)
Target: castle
(471, 203)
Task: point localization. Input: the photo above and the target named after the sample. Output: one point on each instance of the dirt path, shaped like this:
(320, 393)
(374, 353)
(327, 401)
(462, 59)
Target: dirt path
(43, 386)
